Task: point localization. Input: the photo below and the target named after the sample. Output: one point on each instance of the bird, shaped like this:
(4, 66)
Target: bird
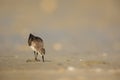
(37, 45)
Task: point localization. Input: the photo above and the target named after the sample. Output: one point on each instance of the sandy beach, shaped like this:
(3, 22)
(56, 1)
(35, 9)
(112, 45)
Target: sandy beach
(81, 39)
(59, 67)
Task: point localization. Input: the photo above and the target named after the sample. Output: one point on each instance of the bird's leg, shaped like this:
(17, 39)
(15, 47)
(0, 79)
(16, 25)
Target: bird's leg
(43, 53)
(43, 58)
(36, 54)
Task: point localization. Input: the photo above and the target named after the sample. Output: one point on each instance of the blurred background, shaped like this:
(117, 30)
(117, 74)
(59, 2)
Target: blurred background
(66, 26)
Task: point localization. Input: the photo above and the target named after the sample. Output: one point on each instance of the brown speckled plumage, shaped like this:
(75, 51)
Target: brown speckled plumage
(37, 45)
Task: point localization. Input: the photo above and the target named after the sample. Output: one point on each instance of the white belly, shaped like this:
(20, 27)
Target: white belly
(33, 48)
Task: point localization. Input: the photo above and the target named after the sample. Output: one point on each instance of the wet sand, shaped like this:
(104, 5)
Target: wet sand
(59, 67)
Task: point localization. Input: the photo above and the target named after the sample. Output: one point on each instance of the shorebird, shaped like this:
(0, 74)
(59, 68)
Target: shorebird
(37, 45)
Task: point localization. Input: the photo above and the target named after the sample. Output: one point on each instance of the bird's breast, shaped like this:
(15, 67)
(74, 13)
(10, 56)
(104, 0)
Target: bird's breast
(33, 48)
